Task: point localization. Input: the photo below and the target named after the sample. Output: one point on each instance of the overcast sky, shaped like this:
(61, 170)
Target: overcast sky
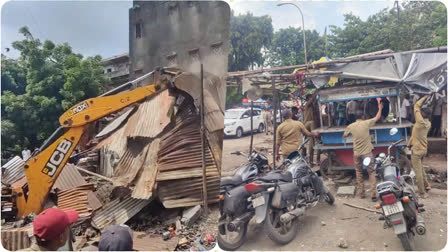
(100, 27)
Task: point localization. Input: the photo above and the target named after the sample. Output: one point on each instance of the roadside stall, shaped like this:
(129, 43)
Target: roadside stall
(339, 150)
(374, 77)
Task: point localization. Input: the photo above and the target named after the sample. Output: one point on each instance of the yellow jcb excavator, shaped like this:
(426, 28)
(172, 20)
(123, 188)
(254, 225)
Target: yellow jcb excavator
(44, 167)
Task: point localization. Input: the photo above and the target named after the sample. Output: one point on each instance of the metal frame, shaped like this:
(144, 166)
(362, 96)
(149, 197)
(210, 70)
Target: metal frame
(345, 146)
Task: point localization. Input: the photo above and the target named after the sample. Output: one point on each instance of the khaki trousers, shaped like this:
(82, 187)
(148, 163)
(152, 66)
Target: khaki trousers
(420, 174)
(268, 126)
(310, 126)
(372, 174)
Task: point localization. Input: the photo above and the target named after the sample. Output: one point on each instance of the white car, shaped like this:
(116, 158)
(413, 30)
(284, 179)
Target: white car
(237, 122)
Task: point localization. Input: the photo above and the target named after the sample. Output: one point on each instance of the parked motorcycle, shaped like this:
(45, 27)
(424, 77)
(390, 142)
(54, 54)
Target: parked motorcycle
(233, 204)
(398, 199)
(258, 164)
(277, 199)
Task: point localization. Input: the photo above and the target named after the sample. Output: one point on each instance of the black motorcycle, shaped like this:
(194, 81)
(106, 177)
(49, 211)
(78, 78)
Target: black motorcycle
(276, 199)
(398, 200)
(233, 201)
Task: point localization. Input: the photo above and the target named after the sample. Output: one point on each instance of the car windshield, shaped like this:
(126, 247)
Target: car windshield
(232, 114)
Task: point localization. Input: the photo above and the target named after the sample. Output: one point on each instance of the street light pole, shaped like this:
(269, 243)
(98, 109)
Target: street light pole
(303, 30)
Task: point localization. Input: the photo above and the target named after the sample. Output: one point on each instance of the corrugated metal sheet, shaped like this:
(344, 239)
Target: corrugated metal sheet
(14, 170)
(118, 211)
(147, 179)
(81, 199)
(153, 116)
(17, 239)
(151, 135)
(180, 164)
(119, 154)
(153, 242)
(187, 192)
(215, 140)
(115, 124)
(69, 178)
(131, 162)
(93, 200)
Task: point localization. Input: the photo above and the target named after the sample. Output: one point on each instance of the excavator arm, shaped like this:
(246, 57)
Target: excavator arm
(42, 170)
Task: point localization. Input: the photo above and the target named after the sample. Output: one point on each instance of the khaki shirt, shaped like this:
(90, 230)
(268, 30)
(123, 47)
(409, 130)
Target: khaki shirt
(289, 135)
(419, 137)
(361, 137)
(309, 110)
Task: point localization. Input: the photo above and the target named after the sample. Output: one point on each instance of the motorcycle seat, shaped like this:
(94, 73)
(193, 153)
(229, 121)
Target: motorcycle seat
(277, 176)
(392, 178)
(231, 181)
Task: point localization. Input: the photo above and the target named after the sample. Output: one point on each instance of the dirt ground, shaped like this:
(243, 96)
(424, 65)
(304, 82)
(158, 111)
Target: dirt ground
(323, 226)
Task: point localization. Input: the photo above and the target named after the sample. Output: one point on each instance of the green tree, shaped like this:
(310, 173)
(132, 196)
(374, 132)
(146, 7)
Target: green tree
(233, 96)
(249, 35)
(44, 81)
(419, 24)
(13, 76)
(287, 47)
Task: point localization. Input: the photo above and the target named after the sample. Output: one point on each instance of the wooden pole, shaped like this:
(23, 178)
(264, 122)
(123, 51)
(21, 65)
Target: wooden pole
(251, 126)
(280, 108)
(204, 172)
(274, 93)
(362, 208)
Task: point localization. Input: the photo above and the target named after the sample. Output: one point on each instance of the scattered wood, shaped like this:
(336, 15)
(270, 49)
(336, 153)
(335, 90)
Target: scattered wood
(95, 174)
(349, 218)
(362, 208)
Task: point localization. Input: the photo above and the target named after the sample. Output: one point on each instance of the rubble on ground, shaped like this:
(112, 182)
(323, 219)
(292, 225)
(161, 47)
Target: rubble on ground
(114, 177)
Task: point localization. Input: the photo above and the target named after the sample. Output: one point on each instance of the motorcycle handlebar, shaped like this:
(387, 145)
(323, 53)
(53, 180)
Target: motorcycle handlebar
(304, 143)
(399, 141)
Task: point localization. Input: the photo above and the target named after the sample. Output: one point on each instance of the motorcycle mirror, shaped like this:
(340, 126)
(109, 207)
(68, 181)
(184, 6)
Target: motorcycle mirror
(366, 161)
(393, 131)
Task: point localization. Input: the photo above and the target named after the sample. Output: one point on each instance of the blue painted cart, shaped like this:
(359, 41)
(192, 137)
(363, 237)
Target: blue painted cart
(339, 150)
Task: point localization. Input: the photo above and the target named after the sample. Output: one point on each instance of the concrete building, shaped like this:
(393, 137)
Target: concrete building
(180, 34)
(116, 69)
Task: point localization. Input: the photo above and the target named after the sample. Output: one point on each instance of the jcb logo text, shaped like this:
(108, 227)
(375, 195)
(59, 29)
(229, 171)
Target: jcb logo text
(80, 107)
(57, 157)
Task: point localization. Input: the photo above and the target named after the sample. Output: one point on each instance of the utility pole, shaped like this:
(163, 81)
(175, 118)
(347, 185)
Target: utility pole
(303, 31)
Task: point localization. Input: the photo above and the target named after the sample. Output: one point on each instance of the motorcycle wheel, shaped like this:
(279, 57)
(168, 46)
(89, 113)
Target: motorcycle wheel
(282, 233)
(231, 240)
(407, 240)
(329, 198)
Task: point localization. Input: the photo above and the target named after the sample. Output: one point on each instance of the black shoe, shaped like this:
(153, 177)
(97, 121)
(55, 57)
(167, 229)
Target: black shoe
(374, 199)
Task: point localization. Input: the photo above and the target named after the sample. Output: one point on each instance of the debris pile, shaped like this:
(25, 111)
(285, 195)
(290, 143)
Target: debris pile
(147, 154)
(438, 178)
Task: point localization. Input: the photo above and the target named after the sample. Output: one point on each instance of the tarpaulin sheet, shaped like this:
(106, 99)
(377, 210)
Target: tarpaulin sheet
(426, 72)
(419, 72)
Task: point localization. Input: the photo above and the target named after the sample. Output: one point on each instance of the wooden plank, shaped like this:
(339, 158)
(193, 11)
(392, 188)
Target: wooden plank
(94, 174)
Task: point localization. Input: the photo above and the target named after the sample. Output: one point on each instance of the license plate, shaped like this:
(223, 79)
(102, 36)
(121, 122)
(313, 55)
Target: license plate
(258, 201)
(393, 208)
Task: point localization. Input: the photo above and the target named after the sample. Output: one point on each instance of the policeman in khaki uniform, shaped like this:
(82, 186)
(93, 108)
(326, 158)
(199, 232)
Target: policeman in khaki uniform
(419, 145)
(308, 120)
(362, 148)
(289, 135)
